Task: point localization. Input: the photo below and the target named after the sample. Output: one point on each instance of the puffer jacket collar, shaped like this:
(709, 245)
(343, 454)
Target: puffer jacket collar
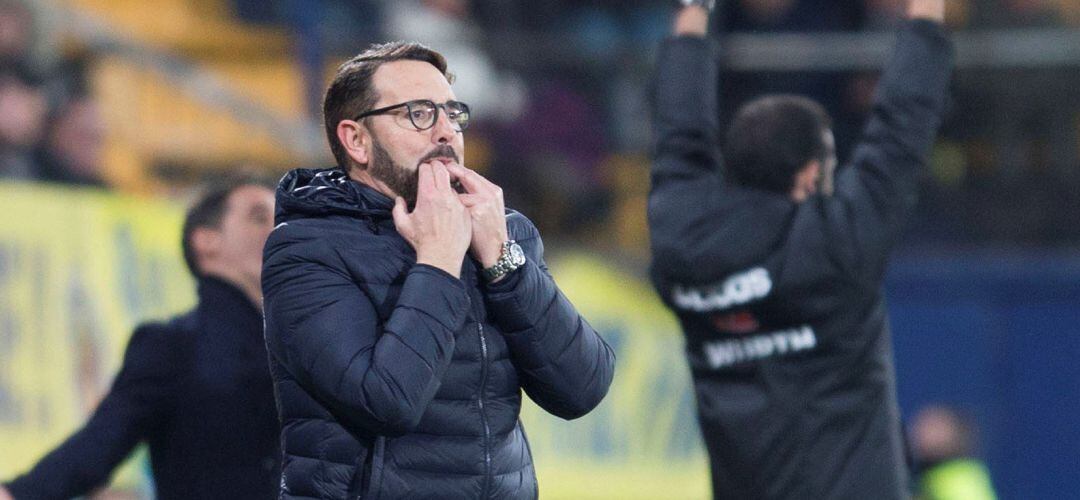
(306, 192)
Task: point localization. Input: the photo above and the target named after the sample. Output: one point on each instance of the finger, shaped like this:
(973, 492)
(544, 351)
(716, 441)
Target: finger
(456, 170)
(426, 179)
(473, 182)
(464, 175)
(435, 163)
(456, 174)
(442, 176)
(470, 200)
(401, 217)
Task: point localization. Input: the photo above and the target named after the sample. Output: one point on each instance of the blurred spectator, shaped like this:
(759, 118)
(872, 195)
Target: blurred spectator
(943, 442)
(22, 116)
(196, 389)
(1016, 131)
(71, 147)
(548, 158)
(546, 138)
(611, 36)
(74, 140)
(16, 31)
(1030, 122)
(492, 94)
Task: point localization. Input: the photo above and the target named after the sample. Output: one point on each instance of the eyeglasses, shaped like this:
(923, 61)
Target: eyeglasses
(423, 113)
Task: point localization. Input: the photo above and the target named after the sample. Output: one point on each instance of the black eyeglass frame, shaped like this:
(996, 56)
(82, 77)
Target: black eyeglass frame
(458, 126)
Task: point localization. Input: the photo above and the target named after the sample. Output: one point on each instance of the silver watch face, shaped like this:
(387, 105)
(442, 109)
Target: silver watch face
(517, 255)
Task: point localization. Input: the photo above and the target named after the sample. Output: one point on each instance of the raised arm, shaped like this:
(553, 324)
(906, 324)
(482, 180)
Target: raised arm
(876, 195)
(684, 103)
(686, 162)
(136, 401)
(928, 10)
(691, 20)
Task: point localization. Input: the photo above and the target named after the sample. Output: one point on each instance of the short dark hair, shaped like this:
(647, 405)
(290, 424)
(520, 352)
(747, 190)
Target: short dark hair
(772, 138)
(207, 212)
(352, 93)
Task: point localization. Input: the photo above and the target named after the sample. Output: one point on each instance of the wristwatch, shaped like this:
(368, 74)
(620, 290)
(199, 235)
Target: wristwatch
(709, 5)
(512, 257)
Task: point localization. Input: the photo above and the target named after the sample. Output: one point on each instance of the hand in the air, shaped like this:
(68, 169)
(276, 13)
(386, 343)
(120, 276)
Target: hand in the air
(933, 10)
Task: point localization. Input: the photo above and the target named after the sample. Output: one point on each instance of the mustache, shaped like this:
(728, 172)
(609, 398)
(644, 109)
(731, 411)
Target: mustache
(440, 151)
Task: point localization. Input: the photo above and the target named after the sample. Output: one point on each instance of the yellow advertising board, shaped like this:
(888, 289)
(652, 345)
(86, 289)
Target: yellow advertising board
(643, 441)
(80, 268)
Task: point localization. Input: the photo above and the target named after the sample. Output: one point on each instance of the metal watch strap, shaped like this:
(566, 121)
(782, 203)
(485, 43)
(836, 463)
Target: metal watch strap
(502, 266)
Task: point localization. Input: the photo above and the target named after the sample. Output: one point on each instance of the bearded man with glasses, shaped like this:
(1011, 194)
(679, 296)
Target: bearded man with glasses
(407, 309)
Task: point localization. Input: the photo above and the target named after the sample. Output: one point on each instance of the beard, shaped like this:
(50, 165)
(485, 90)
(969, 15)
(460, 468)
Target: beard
(401, 180)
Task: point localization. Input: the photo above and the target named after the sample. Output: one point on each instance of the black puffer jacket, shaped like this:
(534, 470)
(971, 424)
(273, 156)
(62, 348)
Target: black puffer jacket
(397, 380)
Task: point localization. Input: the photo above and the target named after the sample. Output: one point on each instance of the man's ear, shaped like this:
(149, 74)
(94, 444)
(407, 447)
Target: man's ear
(806, 181)
(355, 139)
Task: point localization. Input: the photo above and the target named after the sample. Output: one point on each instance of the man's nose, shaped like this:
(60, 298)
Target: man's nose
(443, 131)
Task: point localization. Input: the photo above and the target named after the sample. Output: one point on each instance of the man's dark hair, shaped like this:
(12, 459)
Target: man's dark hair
(352, 93)
(207, 211)
(772, 138)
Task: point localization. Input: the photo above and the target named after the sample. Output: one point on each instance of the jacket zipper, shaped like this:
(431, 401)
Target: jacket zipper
(483, 413)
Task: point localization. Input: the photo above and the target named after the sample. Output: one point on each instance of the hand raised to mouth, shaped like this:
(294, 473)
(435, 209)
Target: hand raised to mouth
(439, 228)
(484, 201)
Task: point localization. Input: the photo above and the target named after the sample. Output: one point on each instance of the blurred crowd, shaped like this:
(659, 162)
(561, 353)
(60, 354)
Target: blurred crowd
(559, 87)
(50, 126)
(558, 90)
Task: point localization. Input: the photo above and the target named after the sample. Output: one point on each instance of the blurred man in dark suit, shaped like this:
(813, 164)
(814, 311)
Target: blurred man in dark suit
(196, 388)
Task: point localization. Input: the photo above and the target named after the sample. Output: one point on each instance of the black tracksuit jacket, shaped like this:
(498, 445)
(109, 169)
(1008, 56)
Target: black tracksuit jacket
(782, 303)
